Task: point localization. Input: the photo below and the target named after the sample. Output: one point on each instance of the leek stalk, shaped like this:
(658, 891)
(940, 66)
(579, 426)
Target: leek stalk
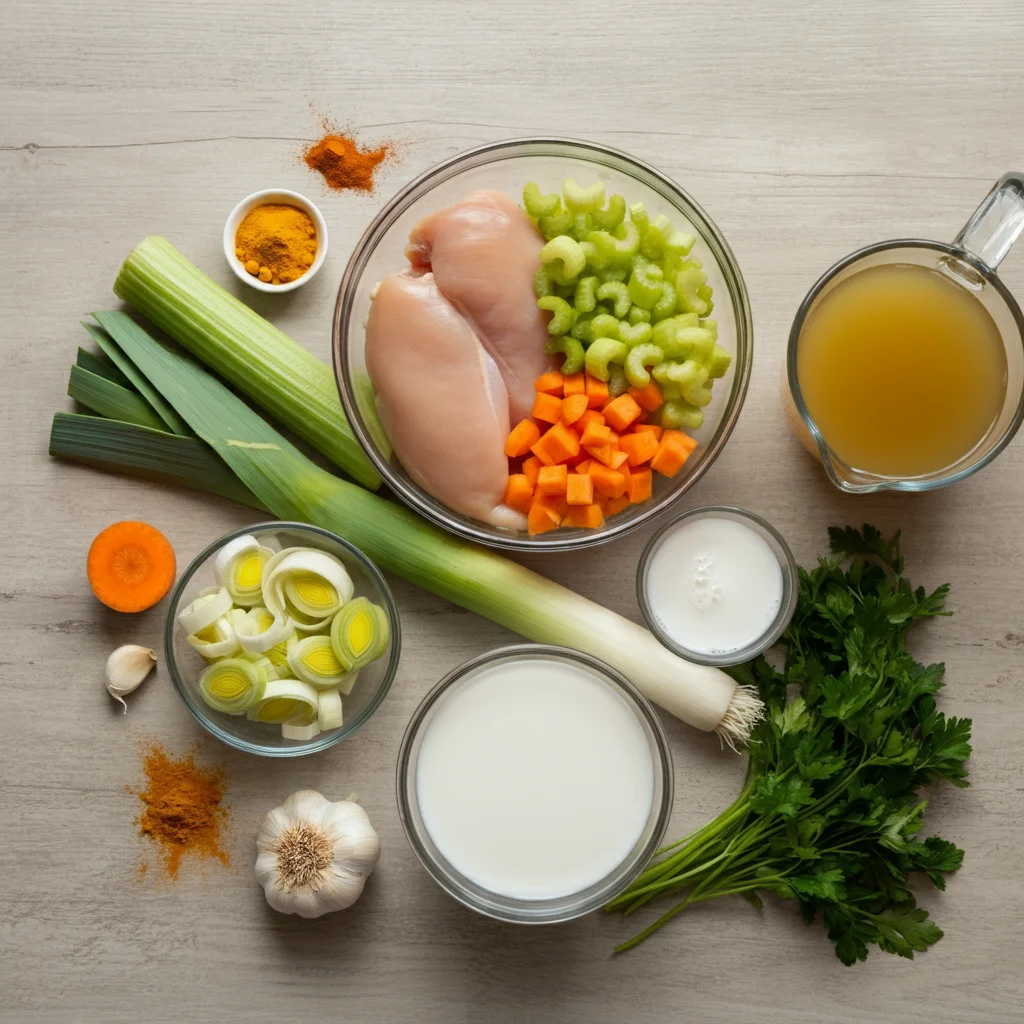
(293, 487)
(102, 395)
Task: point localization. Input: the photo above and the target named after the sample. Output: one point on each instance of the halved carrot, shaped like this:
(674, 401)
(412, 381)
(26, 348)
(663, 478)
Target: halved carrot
(551, 480)
(551, 383)
(531, 467)
(541, 518)
(608, 482)
(574, 385)
(595, 434)
(640, 485)
(557, 445)
(589, 517)
(590, 416)
(621, 412)
(597, 392)
(613, 506)
(639, 448)
(579, 489)
(546, 407)
(523, 437)
(648, 428)
(519, 492)
(131, 566)
(648, 397)
(573, 408)
(673, 451)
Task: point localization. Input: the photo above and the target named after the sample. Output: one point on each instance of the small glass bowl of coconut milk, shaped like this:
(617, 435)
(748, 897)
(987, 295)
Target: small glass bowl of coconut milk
(534, 784)
(717, 585)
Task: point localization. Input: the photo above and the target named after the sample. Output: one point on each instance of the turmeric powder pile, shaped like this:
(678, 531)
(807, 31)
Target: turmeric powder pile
(276, 242)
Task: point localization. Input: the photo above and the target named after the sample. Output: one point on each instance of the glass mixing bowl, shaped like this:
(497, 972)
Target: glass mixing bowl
(508, 166)
(185, 664)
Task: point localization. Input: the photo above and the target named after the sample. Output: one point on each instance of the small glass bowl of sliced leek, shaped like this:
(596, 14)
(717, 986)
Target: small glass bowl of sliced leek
(282, 639)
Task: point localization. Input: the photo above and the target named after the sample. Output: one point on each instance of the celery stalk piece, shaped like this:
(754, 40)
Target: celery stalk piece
(639, 358)
(583, 329)
(645, 285)
(639, 316)
(102, 367)
(563, 315)
(175, 424)
(584, 297)
(569, 347)
(556, 224)
(676, 414)
(147, 453)
(290, 383)
(567, 252)
(538, 205)
(616, 293)
(634, 334)
(666, 305)
(478, 579)
(610, 217)
(638, 215)
(603, 351)
(580, 199)
(618, 382)
(109, 399)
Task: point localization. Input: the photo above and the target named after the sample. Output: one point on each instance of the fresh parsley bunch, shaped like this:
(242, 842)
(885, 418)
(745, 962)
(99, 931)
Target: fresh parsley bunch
(830, 812)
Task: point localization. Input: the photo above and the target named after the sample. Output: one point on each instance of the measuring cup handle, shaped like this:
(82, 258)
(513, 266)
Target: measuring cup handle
(995, 225)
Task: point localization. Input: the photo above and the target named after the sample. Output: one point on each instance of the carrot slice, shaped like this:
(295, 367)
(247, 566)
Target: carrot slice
(519, 492)
(522, 438)
(648, 428)
(541, 518)
(595, 434)
(613, 506)
(531, 467)
(607, 481)
(579, 489)
(589, 517)
(597, 392)
(552, 480)
(573, 408)
(546, 407)
(641, 483)
(551, 383)
(621, 412)
(639, 448)
(574, 385)
(648, 397)
(131, 566)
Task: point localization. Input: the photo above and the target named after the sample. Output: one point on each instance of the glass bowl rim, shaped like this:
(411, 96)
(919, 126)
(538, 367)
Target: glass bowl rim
(769, 638)
(410, 494)
(560, 909)
(326, 739)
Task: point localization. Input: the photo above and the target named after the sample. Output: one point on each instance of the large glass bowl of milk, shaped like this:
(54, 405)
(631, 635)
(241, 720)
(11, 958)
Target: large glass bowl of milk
(534, 783)
(717, 585)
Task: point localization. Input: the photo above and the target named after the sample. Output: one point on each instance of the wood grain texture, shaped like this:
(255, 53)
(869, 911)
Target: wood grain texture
(806, 130)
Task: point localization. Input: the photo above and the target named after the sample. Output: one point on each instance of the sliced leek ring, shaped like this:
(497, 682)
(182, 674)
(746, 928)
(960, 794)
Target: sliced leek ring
(312, 660)
(267, 669)
(383, 631)
(259, 631)
(218, 640)
(283, 699)
(205, 610)
(238, 568)
(307, 585)
(302, 733)
(329, 710)
(356, 634)
(232, 685)
(345, 686)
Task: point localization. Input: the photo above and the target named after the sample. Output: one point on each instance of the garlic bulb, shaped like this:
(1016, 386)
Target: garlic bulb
(314, 856)
(126, 668)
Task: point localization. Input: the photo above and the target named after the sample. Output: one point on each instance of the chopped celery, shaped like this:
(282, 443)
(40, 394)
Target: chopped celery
(639, 316)
(604, 325)
(542, 283)
(603, 351)
(679, 243)
(564, 316)
(584, 297)
(618, 384)
(613, 274)
(645, 285)
(655, 237)
(612, 216)
(639, 358)
(718, 362)
(603, 243)
(567, 252)
(638, 215)
(666, 305)
(556, 224)
(704, 292)
(676, 414)
(633, 334)
(582, 225)
(710, 325)
(569, 347)
(583, 329)
(538, 205)
(583, 200)
(627, 241)
(687, 299)
(616, 293)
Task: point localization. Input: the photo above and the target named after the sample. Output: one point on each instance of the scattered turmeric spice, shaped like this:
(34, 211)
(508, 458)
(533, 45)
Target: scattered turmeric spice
(343, 164)
(276, 242)
(182, 812)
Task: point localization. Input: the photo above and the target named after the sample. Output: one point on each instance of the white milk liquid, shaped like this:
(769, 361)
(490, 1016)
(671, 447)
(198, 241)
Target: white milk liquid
(714, 585)
(535, 779)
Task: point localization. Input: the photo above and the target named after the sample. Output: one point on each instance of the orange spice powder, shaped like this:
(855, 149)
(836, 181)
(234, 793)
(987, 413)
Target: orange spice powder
(182, 811)
(343, 164)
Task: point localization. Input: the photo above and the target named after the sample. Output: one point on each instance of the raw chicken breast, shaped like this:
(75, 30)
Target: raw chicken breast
(483, 253)
(440, 397)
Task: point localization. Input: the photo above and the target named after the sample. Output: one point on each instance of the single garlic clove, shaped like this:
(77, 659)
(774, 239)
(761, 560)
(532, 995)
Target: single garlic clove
(126, 668)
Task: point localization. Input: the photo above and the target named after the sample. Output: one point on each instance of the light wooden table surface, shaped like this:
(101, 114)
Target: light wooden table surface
(806, 130)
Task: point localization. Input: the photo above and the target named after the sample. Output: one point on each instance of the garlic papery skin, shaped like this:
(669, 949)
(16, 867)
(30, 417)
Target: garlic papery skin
(314, 856)
(126, 668)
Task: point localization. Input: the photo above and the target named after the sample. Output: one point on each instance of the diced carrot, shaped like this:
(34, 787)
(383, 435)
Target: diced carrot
(523, 437)
(618, 458)
(648, 397)
(642, 418)
(639, 448)
(613, 506)
(541, 518)
(550, 383)
(640, 485)
(608, 482)
(589, 517)
(557, 445)
(595, 434)
(573, 408)
(551, 479)
(590, 416)
(673, 451)
(579, 489)
(574, 385)
(531, 467)
(560, 505)
(613, 438)
(649, 428)
(603, 453)
(583, 467)
(519, 492)
(597, 392)
(621, 412)
(546, 407)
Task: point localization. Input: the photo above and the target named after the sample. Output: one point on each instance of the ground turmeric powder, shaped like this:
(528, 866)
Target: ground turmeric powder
(276, 242)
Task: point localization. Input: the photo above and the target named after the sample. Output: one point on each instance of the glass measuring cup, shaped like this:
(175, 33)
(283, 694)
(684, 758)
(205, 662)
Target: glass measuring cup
(970, 261)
